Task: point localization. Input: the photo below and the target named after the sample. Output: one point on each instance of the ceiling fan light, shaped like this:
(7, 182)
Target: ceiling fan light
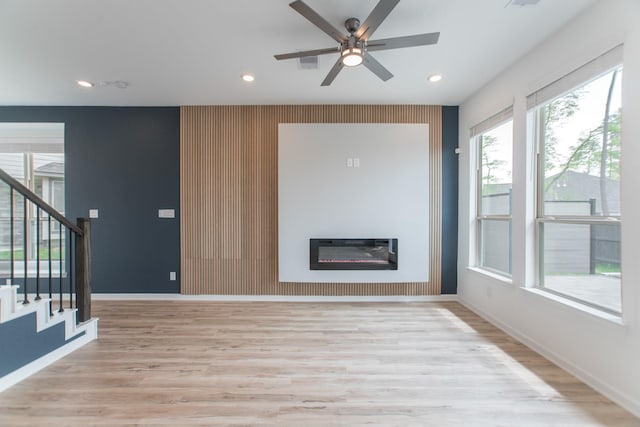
(352, 56)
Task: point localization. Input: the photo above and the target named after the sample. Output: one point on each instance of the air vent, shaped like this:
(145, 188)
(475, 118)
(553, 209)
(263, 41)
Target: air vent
(308, 63)
(520, 3)
(120, 84)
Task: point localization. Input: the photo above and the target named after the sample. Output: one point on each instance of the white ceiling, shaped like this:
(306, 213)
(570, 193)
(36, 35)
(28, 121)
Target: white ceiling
(192, 52)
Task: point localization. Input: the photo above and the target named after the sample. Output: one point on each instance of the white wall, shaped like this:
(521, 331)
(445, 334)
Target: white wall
(602, 352)
(385, 197)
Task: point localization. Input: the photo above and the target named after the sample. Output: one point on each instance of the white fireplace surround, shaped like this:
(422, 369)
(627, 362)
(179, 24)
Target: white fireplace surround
(353, 181)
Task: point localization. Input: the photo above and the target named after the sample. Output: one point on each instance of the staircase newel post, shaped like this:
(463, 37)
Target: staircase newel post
(83, 270)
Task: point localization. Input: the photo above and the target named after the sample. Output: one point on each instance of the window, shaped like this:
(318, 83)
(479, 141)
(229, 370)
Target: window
(578, 186)
(494, 142)
(32, 153)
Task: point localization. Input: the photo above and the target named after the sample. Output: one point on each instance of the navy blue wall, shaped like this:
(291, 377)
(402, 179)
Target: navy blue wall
(125, 162)
(449, 200)
(21, 344)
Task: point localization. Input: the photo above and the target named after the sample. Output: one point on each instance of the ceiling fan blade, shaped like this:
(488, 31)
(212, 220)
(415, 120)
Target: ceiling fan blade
(318, 20)
(304, 53)
(373, 21)
(400, 42)
(376, 68)
(333, 73)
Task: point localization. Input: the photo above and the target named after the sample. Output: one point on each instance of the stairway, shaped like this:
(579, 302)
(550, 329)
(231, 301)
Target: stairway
(32, 339)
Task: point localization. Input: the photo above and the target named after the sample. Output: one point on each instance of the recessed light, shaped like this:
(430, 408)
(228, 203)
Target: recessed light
(248, 77)
(84, 83)
(434, 78)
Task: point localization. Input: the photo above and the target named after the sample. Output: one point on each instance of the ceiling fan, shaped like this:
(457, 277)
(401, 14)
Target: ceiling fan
(355, 48)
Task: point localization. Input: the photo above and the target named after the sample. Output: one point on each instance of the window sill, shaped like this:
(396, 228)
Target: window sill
(504, 280)
(583, 308)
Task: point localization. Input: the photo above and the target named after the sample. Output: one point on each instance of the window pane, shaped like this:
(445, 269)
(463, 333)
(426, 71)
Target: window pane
(582, 261)
(495, 245)
(44, 174)
(581, 155)
(48, 172)
(58, 195)
(496, 160)
(5, 226)
(13, 164)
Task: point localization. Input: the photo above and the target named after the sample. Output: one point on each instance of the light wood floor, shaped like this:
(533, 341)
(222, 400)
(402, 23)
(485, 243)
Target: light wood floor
(302, 364)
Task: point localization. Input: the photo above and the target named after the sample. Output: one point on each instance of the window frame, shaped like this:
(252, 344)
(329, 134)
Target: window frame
(535, 113)
(477, 132)
(29, 181)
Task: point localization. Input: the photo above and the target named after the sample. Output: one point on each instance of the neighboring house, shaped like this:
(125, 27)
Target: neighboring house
(49, 184)
(571, 193)
(581, 187)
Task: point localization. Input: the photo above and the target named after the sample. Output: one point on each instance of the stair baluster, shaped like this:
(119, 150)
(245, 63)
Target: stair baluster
(71, 271)
(38, 298)
(50, 265)
(61, 309)
(24, 249)
(11, 232)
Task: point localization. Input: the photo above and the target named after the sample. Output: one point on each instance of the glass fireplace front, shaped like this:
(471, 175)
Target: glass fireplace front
(353, 254)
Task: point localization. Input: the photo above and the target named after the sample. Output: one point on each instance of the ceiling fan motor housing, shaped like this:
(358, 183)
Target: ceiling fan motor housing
(352, 42)
(352, 25)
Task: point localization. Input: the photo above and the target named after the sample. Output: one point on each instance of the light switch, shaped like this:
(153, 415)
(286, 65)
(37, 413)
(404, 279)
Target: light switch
(93, 213)
(166, 213)
(349, 162)
(356, 162)
(172, 275)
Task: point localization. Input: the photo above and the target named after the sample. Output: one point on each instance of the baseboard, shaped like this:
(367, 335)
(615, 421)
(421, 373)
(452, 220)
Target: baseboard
(275, 298)
(612, 393)
(91, 333)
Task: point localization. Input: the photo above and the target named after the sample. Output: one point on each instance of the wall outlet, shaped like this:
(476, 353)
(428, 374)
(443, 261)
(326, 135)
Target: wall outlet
(93, 213)
(172, 275)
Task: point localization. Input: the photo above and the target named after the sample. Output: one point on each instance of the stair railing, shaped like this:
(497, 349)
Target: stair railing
(77, 283)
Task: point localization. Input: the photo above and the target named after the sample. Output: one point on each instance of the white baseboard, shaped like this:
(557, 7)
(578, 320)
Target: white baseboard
(91, 333)
(610, 392)
(274, 298)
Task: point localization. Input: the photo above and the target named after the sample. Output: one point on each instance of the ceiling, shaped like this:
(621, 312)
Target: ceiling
(193, 52)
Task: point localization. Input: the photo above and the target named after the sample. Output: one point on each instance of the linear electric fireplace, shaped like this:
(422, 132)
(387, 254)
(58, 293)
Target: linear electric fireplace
(353, 254)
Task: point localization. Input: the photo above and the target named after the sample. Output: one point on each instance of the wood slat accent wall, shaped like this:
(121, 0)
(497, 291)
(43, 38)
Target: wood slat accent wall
(229, 190)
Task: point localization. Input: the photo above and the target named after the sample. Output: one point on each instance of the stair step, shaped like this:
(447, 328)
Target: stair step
(75, 334)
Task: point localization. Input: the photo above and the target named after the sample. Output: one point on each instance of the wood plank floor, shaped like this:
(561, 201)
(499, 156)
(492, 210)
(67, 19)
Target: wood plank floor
(302, 364)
